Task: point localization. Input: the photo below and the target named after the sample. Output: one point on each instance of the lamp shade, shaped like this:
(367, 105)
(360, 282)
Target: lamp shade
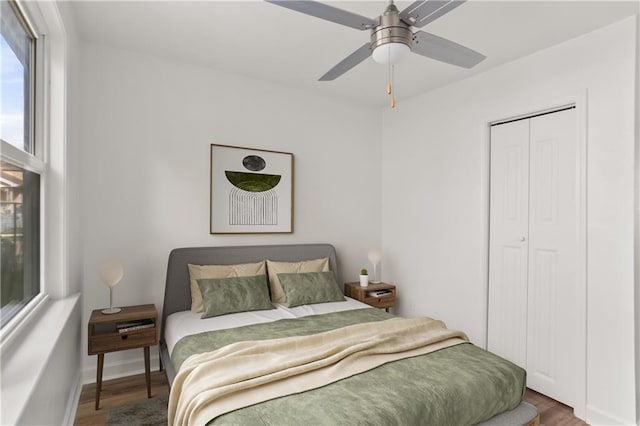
(390, 53)
(111, 273)
(375, 256)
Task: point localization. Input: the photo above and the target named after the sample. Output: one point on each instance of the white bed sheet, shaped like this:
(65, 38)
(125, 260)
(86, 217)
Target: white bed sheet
(184, 323)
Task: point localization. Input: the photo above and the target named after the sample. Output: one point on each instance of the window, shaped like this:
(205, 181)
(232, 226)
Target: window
(19, 238)
(20, 167)
(18, 47)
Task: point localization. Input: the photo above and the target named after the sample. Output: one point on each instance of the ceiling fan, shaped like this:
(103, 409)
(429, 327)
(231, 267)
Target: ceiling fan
(391, 33)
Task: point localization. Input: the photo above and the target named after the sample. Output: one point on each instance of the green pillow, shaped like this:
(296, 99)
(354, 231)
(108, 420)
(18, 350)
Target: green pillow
(310, 287)
(235, 294)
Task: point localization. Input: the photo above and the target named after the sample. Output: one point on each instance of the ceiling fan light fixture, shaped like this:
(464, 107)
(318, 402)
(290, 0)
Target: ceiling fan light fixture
(390, 53)
(391, 39)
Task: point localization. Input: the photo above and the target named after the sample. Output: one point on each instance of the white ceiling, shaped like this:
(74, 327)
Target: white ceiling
(275, 44)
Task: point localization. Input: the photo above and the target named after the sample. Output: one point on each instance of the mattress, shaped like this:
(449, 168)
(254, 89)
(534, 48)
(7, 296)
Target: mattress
(185, 323)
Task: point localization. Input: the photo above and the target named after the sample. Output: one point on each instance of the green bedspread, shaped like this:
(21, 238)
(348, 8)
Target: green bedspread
(459, 385)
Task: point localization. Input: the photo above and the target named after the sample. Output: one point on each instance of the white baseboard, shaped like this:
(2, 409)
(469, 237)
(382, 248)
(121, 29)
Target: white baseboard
(596, 416)
(119, 369)
(74, 400)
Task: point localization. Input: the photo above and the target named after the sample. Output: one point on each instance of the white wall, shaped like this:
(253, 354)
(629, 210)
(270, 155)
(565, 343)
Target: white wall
(72, 152)
(145, 127)
(637, 223)
(434, 218)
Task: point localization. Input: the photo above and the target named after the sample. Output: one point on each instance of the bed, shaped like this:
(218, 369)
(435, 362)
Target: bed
(377, 378)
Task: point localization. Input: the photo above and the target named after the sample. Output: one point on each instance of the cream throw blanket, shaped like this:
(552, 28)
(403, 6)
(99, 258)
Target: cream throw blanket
(245, 373)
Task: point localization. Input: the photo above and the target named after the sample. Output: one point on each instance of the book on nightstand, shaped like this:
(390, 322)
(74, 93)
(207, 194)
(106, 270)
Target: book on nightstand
(125, 327)
(378, 293)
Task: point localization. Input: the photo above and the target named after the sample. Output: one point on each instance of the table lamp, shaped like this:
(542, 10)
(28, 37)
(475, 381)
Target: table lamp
(375, 256)
(111, 273)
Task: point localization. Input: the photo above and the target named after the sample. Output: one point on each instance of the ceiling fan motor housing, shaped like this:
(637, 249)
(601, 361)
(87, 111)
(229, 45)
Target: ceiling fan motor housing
(391, 30)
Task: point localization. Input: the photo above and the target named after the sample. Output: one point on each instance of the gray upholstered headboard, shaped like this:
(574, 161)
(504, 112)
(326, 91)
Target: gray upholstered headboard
(177, 294)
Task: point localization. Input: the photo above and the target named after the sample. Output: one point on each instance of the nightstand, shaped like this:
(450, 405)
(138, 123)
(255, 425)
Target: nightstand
(387, 301)
(105, 336)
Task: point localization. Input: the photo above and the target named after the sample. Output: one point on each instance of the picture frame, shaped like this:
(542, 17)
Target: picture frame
(251, 191)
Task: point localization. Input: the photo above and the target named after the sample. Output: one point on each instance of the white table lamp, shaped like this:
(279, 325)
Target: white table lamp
(375, 256)
(111, 273)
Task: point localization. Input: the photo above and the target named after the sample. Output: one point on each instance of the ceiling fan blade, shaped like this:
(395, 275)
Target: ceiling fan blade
(329, 13)
(347, 63)
(420, 13)
(444, 50)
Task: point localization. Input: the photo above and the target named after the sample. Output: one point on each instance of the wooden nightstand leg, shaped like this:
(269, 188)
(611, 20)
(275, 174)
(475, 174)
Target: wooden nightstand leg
(147, 370)
(99, 379)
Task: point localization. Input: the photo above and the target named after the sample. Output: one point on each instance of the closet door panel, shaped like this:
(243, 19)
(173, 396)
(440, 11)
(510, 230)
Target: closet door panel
(553, 245)
(508, 255)
(542, 356)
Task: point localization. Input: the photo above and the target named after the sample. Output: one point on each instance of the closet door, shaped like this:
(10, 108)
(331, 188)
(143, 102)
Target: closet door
(508, 247)
(533, 248)
(553, 249)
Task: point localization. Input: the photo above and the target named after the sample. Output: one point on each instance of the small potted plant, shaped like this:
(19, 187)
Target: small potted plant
(364, 278)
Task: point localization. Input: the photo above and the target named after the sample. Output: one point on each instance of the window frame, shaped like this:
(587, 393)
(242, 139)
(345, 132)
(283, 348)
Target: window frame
(35, 161)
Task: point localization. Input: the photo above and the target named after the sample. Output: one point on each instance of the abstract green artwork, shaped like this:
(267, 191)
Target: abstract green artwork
(251, 190)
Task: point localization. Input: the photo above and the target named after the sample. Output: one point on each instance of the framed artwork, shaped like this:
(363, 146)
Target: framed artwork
(251, 191)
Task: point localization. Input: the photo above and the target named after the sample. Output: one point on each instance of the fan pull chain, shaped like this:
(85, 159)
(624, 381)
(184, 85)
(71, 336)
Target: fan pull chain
(389, 89)
(390, 82)
(390, 86)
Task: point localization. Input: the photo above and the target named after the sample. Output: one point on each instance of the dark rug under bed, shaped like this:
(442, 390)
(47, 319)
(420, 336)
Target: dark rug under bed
(150, 412)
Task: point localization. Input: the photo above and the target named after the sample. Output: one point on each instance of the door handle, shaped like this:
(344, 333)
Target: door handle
(522, 239)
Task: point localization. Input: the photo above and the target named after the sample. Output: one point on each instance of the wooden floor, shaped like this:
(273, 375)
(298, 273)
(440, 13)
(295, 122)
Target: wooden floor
(129, 390)
(551, 411)
(117, 392)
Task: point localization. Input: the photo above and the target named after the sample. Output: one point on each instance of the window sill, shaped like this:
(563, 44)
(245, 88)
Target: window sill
(16, 326)
(25, 360)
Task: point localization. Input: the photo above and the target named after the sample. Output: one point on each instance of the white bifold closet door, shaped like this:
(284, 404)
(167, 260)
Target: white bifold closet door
(533, 247)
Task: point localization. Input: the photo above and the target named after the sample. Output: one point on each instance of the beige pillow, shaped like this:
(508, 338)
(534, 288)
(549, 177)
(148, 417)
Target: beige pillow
(198, 272)
(275, 268)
